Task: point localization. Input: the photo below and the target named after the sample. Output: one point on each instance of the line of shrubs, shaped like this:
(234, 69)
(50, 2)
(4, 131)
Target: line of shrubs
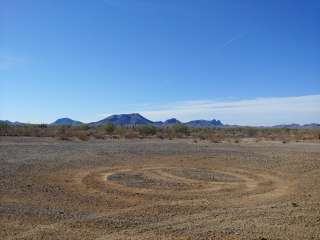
(85, 132)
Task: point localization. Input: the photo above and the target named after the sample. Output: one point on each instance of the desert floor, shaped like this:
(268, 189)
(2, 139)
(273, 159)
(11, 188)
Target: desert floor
(158, 189)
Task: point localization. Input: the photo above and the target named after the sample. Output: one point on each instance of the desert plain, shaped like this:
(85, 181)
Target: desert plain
(158, 189)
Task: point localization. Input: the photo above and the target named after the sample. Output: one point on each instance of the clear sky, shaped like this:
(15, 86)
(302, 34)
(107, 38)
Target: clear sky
(241, 61)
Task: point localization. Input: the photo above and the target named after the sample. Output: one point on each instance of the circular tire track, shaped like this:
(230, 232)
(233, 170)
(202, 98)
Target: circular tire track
(189, 183)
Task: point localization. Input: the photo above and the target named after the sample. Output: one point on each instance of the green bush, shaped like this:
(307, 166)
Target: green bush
(4, 129)
(120, 131)
(4, 126)
(84, 127)
(109, 128)
(147, 130)
(181, 129)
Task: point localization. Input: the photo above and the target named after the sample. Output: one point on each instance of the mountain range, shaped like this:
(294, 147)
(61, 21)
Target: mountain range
(295, 125)
(136, 119)
(130, 120)
(11, 123)
(204, 123)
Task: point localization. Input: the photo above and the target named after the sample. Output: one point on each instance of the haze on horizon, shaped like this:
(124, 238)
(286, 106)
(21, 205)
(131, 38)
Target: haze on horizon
(243, 62)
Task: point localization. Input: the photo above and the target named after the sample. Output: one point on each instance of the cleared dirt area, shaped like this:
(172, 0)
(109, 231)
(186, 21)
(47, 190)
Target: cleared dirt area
(158, 189)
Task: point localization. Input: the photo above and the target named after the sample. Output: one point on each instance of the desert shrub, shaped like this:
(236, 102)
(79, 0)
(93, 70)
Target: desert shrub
(181, 129)
(62, 130)
(146, 130)
(4, 129)
(81, 135)
(4, 126)
(203, 134)
(27, 130)
(252, 132)
(109, 128)
(115, 137)
(120, 131)
(84, 127)
(215, 138)
(98, 135)
(160, 136)
(131, 134)
(62, 133)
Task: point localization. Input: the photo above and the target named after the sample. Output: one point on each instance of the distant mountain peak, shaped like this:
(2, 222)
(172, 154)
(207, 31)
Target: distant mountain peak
(7, 122)
(66, 121)
(124, 119)
(172, 121)
(204, 123)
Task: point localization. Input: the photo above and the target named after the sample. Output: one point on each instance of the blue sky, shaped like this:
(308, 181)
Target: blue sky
(87, 59)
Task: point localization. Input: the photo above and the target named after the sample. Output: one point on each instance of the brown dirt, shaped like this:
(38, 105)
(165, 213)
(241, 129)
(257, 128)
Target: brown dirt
(158, 189)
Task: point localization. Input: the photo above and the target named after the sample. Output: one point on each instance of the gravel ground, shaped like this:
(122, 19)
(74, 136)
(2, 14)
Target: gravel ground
(158, 189)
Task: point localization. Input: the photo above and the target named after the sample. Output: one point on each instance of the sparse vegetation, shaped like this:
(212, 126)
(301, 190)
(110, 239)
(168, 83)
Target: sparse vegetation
(181, 129)
(147, 130)
(109, 128)
(214, 135)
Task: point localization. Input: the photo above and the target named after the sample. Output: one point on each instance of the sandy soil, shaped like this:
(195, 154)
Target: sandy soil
(158, 189)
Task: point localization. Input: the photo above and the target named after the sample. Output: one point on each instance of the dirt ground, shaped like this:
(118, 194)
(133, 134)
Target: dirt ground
(158, 189)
